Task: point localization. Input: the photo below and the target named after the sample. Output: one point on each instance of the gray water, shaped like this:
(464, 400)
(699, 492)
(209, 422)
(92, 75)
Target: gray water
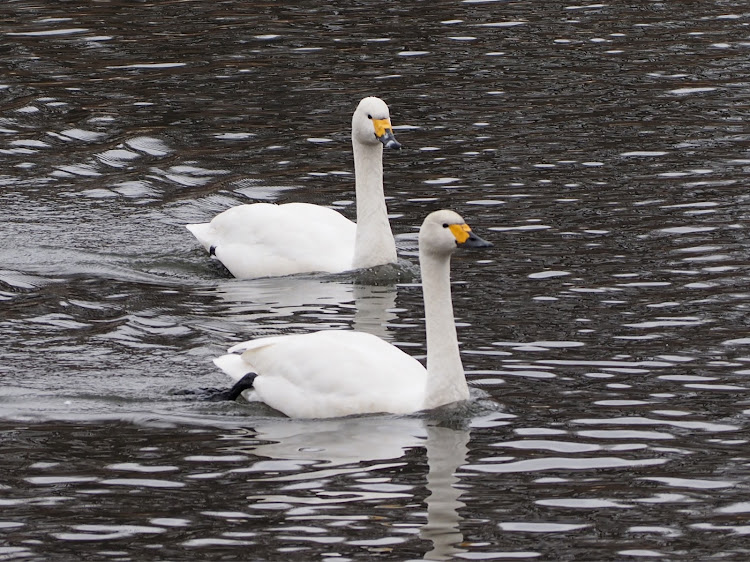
(601, 147)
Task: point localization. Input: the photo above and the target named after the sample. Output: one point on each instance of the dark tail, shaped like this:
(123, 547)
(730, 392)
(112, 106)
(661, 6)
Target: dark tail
(220, 394)
(241, 385)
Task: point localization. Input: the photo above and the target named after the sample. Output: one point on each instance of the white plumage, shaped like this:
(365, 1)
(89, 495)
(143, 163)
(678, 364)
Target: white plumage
(268, 240)
(339, 372)
(328, 374)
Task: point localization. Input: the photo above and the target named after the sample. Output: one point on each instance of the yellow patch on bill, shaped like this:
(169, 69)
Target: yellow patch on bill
(381, 125)
(461, 232)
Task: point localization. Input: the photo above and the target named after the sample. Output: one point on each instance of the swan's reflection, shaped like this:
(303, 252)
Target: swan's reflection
(446, 453)
(334, 447)
(339, 441)
(283, 297)
(374, 309)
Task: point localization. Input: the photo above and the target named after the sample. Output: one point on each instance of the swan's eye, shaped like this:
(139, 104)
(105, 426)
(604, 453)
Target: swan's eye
(369, 116)
(445, 225)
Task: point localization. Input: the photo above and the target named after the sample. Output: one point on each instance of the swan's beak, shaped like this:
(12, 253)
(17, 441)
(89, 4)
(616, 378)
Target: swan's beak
(466, 238)
(384, 133)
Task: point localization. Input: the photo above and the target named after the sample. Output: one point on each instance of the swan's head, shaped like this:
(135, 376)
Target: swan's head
(444, 231)
(371, 124)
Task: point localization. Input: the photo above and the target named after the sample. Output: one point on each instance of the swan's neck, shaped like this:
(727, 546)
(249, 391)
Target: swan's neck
(446, 381)
(374, 244)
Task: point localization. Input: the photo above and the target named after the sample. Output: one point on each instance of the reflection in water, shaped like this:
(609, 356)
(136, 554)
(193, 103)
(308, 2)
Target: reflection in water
(337, 442)
(374, 309)
(319, 298)
(446, 453)
(343, 445)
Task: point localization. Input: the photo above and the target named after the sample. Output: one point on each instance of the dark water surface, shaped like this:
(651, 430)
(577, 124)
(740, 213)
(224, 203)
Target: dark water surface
(601, 147)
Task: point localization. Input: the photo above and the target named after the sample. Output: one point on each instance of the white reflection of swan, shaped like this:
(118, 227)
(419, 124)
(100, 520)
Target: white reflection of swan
(339, 441)
(446, 452)
(284, 296)
(330, 444)
(374, 309)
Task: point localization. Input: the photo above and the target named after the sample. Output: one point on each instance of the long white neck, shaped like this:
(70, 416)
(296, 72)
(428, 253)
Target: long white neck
(374, 244)
(446, 381)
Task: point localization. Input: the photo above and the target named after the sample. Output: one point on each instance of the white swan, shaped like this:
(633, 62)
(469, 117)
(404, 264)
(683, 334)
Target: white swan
(335, 373)
(269, 240)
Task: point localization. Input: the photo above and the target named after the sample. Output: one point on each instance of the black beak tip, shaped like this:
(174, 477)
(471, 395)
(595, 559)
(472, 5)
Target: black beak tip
(475, 241)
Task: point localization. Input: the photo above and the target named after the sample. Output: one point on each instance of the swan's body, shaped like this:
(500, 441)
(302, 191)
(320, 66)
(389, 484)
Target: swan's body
(337, 373)
(268, 240)
(329, 374)
(258, 240)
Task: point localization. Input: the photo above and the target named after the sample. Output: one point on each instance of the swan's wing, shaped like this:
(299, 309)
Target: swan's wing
(265, 239)
(332, 373)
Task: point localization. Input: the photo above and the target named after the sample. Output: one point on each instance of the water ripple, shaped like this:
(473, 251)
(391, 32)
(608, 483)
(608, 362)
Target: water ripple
(561, 463)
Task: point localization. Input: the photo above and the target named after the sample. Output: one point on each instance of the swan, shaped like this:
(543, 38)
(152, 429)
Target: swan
(270, 240)
(334, 373)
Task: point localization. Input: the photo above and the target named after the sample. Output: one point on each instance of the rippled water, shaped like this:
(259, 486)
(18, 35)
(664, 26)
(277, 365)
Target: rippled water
(601, 147)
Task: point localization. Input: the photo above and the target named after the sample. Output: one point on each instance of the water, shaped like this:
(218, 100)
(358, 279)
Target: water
(601, 147)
